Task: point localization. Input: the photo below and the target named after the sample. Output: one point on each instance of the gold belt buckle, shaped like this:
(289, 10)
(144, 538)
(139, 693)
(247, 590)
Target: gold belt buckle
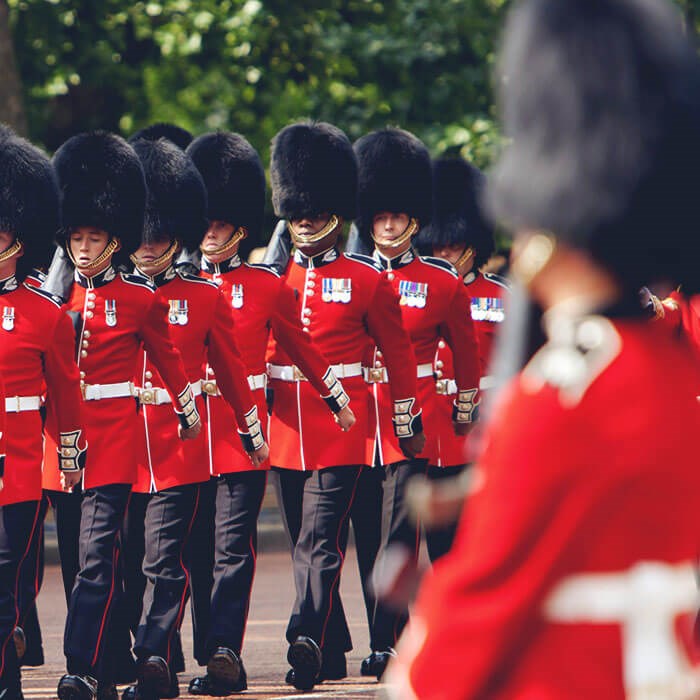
(147, 396)
(209, 388)
(298, 375)
(376, 375)
(441, 387)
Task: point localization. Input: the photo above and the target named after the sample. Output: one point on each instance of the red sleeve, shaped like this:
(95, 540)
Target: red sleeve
(288, 333)
(458, 331)
(223, 356)
(62, 379)
(385, 325)
(159, 346)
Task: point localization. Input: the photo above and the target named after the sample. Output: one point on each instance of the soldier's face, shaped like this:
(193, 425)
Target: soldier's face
(308, 226)
(218, 234)
(453, 254)
(150, 252)
(87, 243)
(389, 226)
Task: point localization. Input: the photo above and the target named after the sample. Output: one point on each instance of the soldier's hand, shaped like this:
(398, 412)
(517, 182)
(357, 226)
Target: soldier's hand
(462, 429)
(260, 455)
(190, 433)
(2, 483)
(345, 418)
(70, 479)
(412, 446)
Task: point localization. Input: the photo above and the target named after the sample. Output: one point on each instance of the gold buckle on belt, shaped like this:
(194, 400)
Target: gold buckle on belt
(442, 387)
(298, 374)
(147, 397)
(375, 375)
(209, 388)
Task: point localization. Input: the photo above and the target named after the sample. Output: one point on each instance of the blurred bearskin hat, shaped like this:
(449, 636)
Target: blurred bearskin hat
(29, 199)
(176, 203)
(457, 217)
(395, 175)
(163, 130)
(103, 186)
(313, 170)
(601, 108)
(235, 180)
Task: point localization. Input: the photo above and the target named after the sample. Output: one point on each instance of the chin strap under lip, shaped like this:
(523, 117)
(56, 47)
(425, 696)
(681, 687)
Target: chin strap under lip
(16, 248)
(236, 237)
(408, 233)
(167, 256)
(110, 249)
(333, 223)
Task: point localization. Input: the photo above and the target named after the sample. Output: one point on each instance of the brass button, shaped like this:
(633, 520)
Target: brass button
(210, 371)
(441, 344)
(149, 374)
(306, 321)
(310, 293)
(86, 334)
(378, 364)
(311, 284)
(85, 343)
(83, 353)
(91, 305)
(390, 276)
(311, 275)
(82, 374)
(89, 314)
(379, 353)
(439, 364)
(148, 385)
(438, 374)
(306, 330)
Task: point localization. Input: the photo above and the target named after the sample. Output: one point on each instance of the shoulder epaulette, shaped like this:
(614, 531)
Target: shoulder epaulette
(267, 268)
(189, 277)
(497, 279)
(365, 260)
(440, 264)
(53, 298)
(137, 281)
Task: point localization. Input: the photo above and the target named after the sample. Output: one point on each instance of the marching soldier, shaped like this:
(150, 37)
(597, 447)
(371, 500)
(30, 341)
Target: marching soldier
(202, 329)
(36, 358)
(459, 234)
(263, 306)
(395, 199)
(574, 565)
(346, 306)
(104, 196)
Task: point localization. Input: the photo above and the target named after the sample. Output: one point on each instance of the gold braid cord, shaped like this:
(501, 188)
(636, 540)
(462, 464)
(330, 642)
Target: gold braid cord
(14, 249)
(107, 253)
(166, 257)
(308, 238)
(411, 229)
(236, 237)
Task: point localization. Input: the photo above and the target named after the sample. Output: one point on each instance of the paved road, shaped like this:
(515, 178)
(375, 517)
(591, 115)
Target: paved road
(265, 646)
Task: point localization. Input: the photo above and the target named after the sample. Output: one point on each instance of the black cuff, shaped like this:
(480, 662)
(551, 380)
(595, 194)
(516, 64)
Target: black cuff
(337, 399)
(406, 424)
(2, 466)
(70, 457)
(336, 404)
(465, 409)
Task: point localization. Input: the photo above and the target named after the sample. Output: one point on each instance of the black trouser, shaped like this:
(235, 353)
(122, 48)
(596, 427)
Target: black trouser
(397, 529)
(98, 588)
(19, 524)
(30, 580)
(66, 509)
(366, 519)
(319, 552)
(170, 517)
(239, 498)
(202, 564)
(439, 540)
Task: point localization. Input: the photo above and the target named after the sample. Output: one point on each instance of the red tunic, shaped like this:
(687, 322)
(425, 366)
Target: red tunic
(118, 314)
(488, 308)
(36, 359)
(572, 572)
(262, 304)
(202, 329)
(347, 306)
(434, 305)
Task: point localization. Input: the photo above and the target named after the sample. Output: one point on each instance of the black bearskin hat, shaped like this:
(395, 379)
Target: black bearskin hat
(395, 175)
(176, 204)
(102, 185)
(235, 180)
(457, 217)
(29, 199)
(600, 100)
(162, 130)
(313, 170)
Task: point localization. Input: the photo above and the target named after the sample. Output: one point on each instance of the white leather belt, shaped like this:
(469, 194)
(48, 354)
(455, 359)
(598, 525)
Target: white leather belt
(118, 390)
(378, 375)
(18, 404)
(257, 381)
(159, 396)
(291, 373)
(488, 382)
(447, 387)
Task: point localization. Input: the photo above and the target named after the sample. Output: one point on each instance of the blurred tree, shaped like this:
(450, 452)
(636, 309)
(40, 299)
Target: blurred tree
(11, 98)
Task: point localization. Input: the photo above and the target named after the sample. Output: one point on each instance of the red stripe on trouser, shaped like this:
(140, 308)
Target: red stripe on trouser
(183, 598)
(252, 578)
(19, 568)
(336, 581)
(115, 560)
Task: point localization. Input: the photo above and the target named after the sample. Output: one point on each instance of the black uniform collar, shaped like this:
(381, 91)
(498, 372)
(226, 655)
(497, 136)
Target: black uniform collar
(9, 284)
(167, 275)
(98, 280)
(328, 256)
(396, 263)
(217, 268)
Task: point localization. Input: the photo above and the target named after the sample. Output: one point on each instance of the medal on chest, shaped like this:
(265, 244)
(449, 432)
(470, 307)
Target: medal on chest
(178, 314)
(413, 294)
(338, 290)
(488, 309)
(237, 296)
(111, 312)
(8, 318)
